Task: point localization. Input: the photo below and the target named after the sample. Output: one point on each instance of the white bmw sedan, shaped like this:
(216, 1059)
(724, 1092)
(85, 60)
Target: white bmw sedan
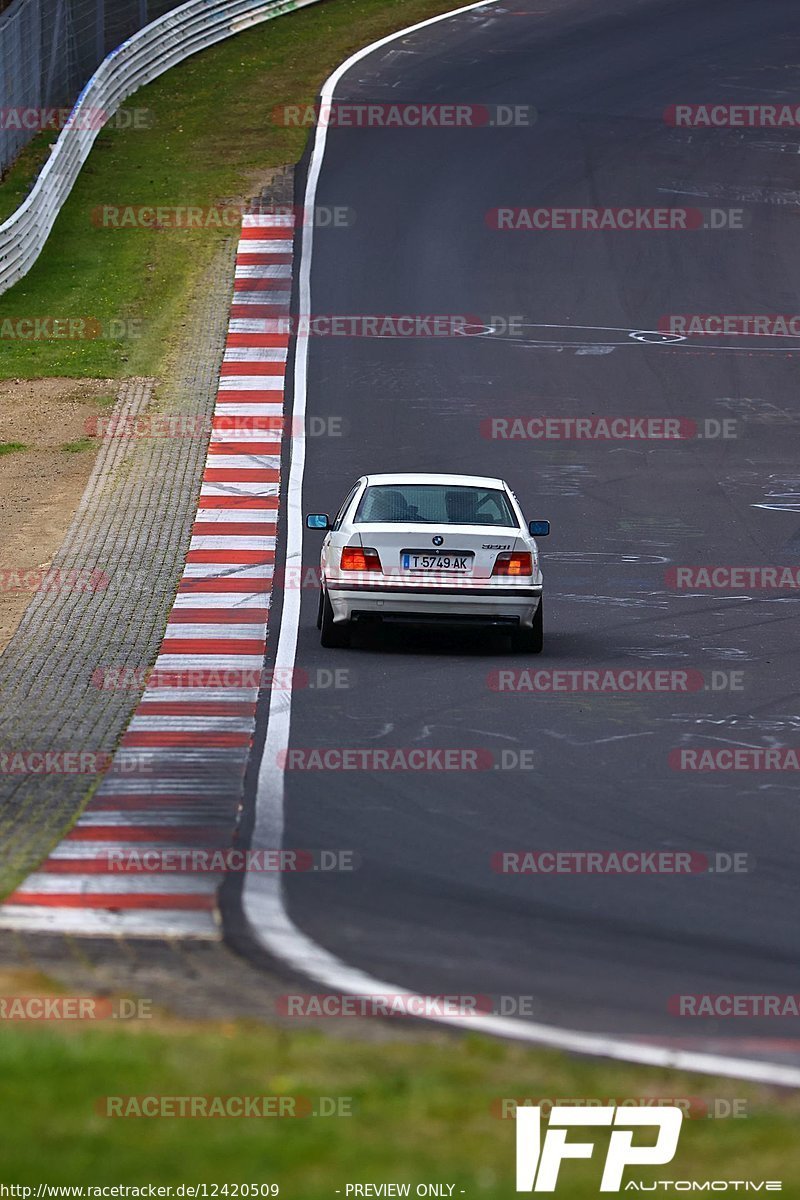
(428, 548)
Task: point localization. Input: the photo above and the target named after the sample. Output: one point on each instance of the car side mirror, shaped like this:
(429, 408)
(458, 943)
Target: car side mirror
(318, 521)
(539, 528)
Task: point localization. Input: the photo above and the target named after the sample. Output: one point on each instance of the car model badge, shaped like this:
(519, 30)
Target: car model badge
(437, 541)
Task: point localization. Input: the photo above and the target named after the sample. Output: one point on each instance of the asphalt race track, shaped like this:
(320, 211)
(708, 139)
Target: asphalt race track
(426, 910)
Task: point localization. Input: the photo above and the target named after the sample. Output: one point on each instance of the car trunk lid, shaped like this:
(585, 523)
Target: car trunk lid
(427, 550)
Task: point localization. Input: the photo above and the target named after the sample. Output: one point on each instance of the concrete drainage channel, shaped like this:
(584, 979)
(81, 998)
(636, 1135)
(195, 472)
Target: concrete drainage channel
(77, 665)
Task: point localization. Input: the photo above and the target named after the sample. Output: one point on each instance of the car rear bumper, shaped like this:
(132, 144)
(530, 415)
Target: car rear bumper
(514, 605)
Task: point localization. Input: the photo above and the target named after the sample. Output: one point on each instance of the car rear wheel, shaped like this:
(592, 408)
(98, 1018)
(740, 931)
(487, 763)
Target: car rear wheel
(332, 636)
(530, 641)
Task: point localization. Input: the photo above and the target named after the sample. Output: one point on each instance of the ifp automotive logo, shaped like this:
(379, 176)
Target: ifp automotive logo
(539, 1161)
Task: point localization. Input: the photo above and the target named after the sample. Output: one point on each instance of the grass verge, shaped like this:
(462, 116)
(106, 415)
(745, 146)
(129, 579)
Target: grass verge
(421, 1110)
(212, 141)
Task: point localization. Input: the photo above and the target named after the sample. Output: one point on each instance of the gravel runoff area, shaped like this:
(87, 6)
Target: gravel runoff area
(112, 585)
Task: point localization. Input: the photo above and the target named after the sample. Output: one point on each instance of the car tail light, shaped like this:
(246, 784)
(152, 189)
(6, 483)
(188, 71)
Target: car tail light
(513, 563)
(354, 558)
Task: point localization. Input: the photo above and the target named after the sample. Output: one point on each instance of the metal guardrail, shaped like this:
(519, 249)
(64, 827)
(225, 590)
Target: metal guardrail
(139, 60)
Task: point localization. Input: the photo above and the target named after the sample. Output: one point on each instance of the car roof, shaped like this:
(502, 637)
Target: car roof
(434, 477)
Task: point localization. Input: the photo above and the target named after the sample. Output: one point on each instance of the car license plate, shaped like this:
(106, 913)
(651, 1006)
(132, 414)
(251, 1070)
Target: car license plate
(436, 562)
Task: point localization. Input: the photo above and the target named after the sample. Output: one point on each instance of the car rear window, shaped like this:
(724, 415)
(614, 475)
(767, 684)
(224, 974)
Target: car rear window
(435, 504)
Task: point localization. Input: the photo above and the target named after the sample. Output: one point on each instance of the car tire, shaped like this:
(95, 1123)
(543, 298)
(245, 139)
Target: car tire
(332, 636)
(320, 606)
(530, 641)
